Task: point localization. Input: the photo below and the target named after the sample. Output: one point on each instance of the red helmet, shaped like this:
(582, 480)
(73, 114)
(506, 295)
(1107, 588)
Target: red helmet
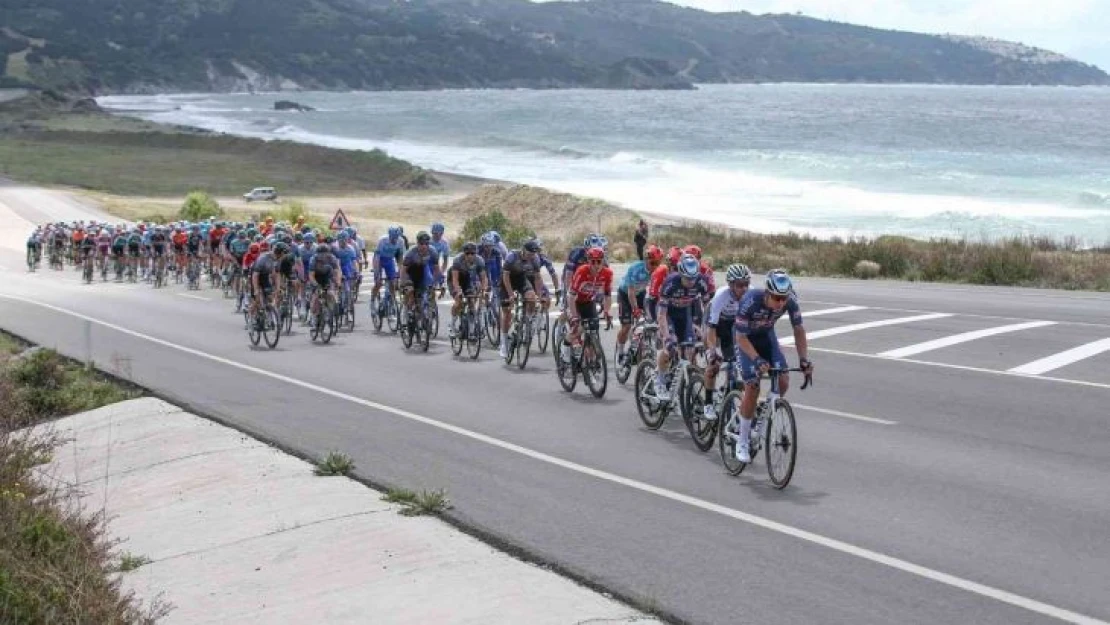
(264, 246)
(674, 255)
(694, 251)
(254, 248)
(595, 253)
(653, 253)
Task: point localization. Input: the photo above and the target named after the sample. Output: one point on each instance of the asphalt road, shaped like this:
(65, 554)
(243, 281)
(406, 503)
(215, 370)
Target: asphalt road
(933, 487)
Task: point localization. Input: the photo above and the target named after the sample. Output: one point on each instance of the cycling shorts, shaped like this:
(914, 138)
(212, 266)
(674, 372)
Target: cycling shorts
(726, 338)
(681, 323)
(625, 305)
(388, 266)
(159, 250)
(767, 345)
(520, 284)
(416, 277)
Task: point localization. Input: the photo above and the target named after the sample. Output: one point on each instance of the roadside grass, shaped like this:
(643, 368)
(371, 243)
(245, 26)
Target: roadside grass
(56, 562)
(418, 504)
(129, 562)
(335, 463)
(175, 163)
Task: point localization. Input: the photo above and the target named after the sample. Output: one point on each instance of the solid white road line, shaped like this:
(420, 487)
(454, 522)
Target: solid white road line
(191, 296)
(831, 311)
(831, 543)
(1056, 361)
(855, 327)
(846, 415)
(956, 339)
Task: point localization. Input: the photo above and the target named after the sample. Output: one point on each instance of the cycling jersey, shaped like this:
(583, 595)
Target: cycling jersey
(585, 285)
(658, 277)
(755, 318)
(724, 306)
(637, 278)
(389, 248)
(442, 247)
(347, 257)
(192, 242)
(238, 247)
(322, 265)
(264, 266)
(675, 294)
(471, 268)
(492, 256)
(119, 243)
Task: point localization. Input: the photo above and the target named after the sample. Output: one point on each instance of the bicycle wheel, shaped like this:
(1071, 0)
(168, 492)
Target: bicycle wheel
(253, 331)
(566, 372)
(271, 327)
(393, 314)
(693, 413)
(558, 331)
(624, 369)
(652, 412)
(524, 343)
(595, 370)
(425, 331)
(349, 316)
(730, 432)
(376, 311)
(473, 335)
(432, 313)
(458, 337)
(405, 328)
(331, 324)
(316, 330)
(781, 444)
(493, 326)
(542, 331)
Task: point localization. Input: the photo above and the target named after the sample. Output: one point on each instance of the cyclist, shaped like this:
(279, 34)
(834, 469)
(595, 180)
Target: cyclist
(158, 243)
(416, 263)
(589, 281)
(679, 303)
(323, 274)
(86, 250)
(103, 246)
(658, 277)
(348, 259)
(390, 248)
(520, 275)
(631, 292)
(134, 249)
(34, 247)
(468, 278)
(264, 276)
(544, 294)
(443, 248)
(722, 318)
(179, 238)
(577, 257)
(759, 346)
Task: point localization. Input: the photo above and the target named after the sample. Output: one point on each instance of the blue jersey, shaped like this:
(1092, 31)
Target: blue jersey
(674, 294)
(575, 259)
(753, 317)
(637, 277)
(442, 247)
(390, 248)
(307, 253)
(146, 238)
(491, 254)
(347, 256)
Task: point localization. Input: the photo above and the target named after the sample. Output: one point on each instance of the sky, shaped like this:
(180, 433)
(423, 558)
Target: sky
(1077, 28)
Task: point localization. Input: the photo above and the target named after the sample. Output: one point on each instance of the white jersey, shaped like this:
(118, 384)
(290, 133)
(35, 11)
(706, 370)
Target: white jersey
(725, 304)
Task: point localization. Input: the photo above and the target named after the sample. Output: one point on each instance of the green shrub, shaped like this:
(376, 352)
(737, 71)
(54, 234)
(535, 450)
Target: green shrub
(199, 206)
(512, 233)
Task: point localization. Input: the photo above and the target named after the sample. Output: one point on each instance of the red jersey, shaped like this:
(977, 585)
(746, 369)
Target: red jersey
(249, 258)
(584, 284)
(658, 277)
(707, 273)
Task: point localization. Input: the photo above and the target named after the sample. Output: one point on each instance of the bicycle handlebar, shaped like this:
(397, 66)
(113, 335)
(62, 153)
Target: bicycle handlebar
(780, 370)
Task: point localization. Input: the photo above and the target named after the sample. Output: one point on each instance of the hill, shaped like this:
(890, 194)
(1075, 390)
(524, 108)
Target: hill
(143, 46)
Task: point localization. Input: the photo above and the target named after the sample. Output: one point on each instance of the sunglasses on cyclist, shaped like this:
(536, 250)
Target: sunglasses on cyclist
(776, 298)
(595, 262)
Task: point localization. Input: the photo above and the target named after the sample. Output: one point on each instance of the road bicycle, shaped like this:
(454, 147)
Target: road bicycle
(323, 325)
(587, 359)
(773, 430)
(384, 308)
(491, 318)
(468, 330)
(654, 410)
(520, 334)
(415, 327)
(263, 325)
(641, 347)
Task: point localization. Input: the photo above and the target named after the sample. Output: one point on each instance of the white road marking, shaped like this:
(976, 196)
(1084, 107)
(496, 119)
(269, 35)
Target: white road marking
(956, 339)
(846, 415)
(831, 311)
(1056, 361)
(855, 327)
(191, 296)
(831, 543)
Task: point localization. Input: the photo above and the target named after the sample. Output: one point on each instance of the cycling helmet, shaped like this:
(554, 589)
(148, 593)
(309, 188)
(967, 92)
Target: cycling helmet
(591, 240)
(281, 249)
(693, 250)
(322, 249)
(469, 248)
(674, 255)
(603, 242)
(423, 237)
(255, 248)
(738, 272)
(595, 253)
(329, 239)
(264, 246)
(487, 239)
(532, 246)
(653, 253)
(437, 228)
(342, 236)
(394, 232)
(688, 266)
(298, 237)
(496, 236)
(778, 282)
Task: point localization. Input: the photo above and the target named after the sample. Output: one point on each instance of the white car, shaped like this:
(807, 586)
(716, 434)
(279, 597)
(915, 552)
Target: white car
(260, 193)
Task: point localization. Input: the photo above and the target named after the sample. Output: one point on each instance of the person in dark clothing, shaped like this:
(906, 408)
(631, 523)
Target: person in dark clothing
(641, 238)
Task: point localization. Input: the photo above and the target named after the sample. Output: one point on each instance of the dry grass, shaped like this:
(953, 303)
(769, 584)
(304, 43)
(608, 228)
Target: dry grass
(56, 562)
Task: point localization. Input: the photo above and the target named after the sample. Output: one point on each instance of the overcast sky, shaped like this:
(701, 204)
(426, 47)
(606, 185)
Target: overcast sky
(1077, 28)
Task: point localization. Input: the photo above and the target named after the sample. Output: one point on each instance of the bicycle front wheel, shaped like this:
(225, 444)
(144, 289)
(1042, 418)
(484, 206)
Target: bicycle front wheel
(651, 410)
(376, 312)
(425, 331)
(271, 327)
(595, 370)
(781, 444)
(525, 343)
(693, 413)
(473, 335)
(253, 331)
(543, 331)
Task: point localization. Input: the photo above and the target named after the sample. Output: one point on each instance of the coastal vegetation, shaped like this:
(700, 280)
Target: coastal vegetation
(136, 46)
(56, 563)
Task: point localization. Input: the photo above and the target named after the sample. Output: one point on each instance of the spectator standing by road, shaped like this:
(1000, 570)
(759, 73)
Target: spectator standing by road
(641, 238)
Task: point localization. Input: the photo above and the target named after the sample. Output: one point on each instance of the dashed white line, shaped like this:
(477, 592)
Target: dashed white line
(956, 339)
(846, 415)
(855, 327)
(832, 311)
(1061, 359)
(831, 543)
(191, 296)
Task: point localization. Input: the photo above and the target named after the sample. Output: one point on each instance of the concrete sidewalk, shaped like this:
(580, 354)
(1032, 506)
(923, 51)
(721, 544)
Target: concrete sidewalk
(237, 531)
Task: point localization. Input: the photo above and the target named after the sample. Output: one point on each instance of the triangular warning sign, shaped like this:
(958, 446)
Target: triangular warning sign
(339, 222)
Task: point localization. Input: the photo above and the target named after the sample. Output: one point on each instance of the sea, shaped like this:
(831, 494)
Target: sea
(924, 161)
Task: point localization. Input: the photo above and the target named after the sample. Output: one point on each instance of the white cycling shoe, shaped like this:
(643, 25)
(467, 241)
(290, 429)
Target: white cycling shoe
(743, 453)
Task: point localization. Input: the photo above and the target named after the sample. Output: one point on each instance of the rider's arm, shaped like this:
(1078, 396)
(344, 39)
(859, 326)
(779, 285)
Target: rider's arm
(744, 345)
(800, 342)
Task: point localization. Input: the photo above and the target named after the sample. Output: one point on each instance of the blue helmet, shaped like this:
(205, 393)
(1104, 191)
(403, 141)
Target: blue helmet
(688, 266)
(342, 236)
(394, 232)
(496, 236)
(778, 282)
(437, 228)
(487, 239)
